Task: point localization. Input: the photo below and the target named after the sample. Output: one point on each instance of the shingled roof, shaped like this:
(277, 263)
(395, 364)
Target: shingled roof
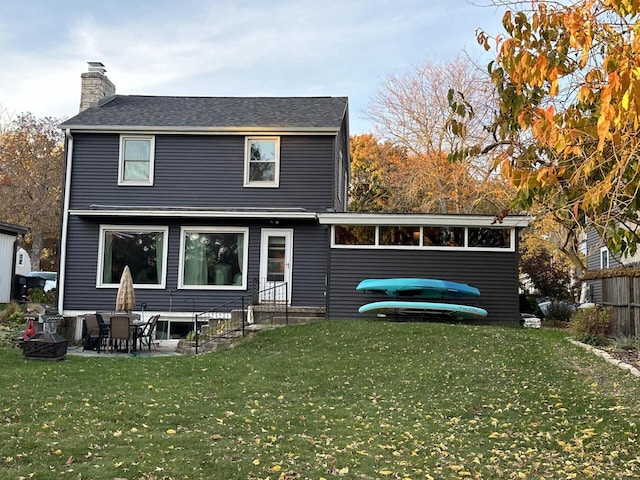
(213, 113)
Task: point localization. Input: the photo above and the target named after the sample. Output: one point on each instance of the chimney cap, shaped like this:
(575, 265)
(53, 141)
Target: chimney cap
(97, 67)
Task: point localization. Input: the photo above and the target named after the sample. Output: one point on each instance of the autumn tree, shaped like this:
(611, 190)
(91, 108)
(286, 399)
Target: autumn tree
(411, 111)
(31, 172)
(566, 130)
(369, 190)
(547, 259)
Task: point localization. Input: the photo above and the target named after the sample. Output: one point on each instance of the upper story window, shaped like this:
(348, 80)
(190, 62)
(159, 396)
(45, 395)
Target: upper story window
(262, 162)
(136, 160)
(604, 257)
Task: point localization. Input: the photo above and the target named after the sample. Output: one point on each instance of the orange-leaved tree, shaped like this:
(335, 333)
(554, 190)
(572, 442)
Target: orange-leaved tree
(567, 76)
(31, 172)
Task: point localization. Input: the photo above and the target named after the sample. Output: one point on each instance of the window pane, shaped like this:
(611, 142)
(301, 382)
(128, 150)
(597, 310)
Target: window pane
(443, 236)
(355, 235)
(137, 150)
(490, 237)
(263, 156)
(276, 259)
(262, 151)
(136, 160)
(407, 236)
(213, 258)
(142, 251)
(136, 171)
(262, 172)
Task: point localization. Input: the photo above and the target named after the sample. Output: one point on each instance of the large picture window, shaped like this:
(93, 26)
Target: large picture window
(136, 160)
(213, 258)
(262, 162)
(143, 249)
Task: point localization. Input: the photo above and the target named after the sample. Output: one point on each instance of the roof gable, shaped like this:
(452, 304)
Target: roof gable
(224, 113)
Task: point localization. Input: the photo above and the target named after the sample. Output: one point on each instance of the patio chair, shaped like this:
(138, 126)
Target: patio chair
(96, 333)
(120, 332)
(146, 336)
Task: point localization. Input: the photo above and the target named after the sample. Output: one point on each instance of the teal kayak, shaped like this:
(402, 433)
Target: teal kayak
(430, 288)
(451, 309)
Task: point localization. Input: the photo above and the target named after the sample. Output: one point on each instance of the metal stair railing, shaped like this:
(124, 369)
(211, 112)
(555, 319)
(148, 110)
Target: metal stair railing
(234, 316)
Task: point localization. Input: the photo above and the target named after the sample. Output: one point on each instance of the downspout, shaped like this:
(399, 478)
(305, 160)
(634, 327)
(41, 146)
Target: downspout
(65, 224)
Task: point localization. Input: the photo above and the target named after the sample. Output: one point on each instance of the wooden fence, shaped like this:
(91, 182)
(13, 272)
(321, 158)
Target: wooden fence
(622, 295)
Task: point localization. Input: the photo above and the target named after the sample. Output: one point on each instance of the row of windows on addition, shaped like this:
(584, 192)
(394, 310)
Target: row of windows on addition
(391, 236)
(261, 161)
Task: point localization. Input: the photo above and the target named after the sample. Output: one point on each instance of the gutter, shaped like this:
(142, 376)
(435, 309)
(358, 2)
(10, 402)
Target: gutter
(65, 223)
(203, 130)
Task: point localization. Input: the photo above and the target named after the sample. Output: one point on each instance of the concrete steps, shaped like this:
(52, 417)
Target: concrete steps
(264, 317)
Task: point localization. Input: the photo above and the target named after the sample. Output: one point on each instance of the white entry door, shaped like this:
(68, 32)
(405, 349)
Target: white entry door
(276, 257)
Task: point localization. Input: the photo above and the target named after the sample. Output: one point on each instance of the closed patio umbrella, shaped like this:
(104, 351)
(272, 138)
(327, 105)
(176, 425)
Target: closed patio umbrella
(126, 298)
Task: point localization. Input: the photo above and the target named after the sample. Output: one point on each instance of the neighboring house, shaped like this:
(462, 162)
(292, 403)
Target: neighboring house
(23, 262)
(598, 258)
(8, 248)
(205, 197)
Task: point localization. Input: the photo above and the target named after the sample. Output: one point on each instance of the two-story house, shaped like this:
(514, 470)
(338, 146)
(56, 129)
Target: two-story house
(205, 197)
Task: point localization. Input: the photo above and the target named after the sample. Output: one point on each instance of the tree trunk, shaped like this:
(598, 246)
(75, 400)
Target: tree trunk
(36, 249)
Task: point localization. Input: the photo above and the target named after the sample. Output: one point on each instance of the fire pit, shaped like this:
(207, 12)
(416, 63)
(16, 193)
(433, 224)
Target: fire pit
(46, 344)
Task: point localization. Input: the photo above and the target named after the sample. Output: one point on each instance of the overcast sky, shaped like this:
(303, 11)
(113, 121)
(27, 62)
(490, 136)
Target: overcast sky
(227, 47)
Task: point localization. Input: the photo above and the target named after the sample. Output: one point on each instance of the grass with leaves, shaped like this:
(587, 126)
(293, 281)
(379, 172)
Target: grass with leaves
(350, 399)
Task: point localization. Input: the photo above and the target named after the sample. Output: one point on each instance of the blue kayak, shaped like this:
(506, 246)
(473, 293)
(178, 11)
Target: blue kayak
(450, 309)
(418, 288)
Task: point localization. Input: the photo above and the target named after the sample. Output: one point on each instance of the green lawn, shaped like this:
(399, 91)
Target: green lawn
(350, 399)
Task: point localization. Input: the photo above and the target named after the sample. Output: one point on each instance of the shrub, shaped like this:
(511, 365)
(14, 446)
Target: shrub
(38, 296)
(590, 325)
(560, 312)
(11, 323)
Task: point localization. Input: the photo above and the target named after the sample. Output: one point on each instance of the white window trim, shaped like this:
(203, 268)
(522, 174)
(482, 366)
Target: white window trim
(152, 149)
(247, 153)
(378, 246)
(604, 250)
(138, 228)
(245, 257)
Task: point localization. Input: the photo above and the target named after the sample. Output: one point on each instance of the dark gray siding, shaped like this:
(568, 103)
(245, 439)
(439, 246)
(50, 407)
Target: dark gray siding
(342, 145)
(204, 171)
(494, 273)
(594, 244)
(309, 266)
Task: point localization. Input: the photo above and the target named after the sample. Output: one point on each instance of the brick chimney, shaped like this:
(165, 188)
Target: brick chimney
(95, 86)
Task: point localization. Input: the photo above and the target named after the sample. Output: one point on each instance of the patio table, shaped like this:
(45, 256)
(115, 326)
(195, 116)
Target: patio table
(135, 325)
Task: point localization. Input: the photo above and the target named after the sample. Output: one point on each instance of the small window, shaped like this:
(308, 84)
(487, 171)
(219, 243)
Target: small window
(262, 162)
(141, 248)
(443, 236)
(489, 237)
(604, 257)
(136, 160)
(401, 236)
(354, 235)
(214, 258)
